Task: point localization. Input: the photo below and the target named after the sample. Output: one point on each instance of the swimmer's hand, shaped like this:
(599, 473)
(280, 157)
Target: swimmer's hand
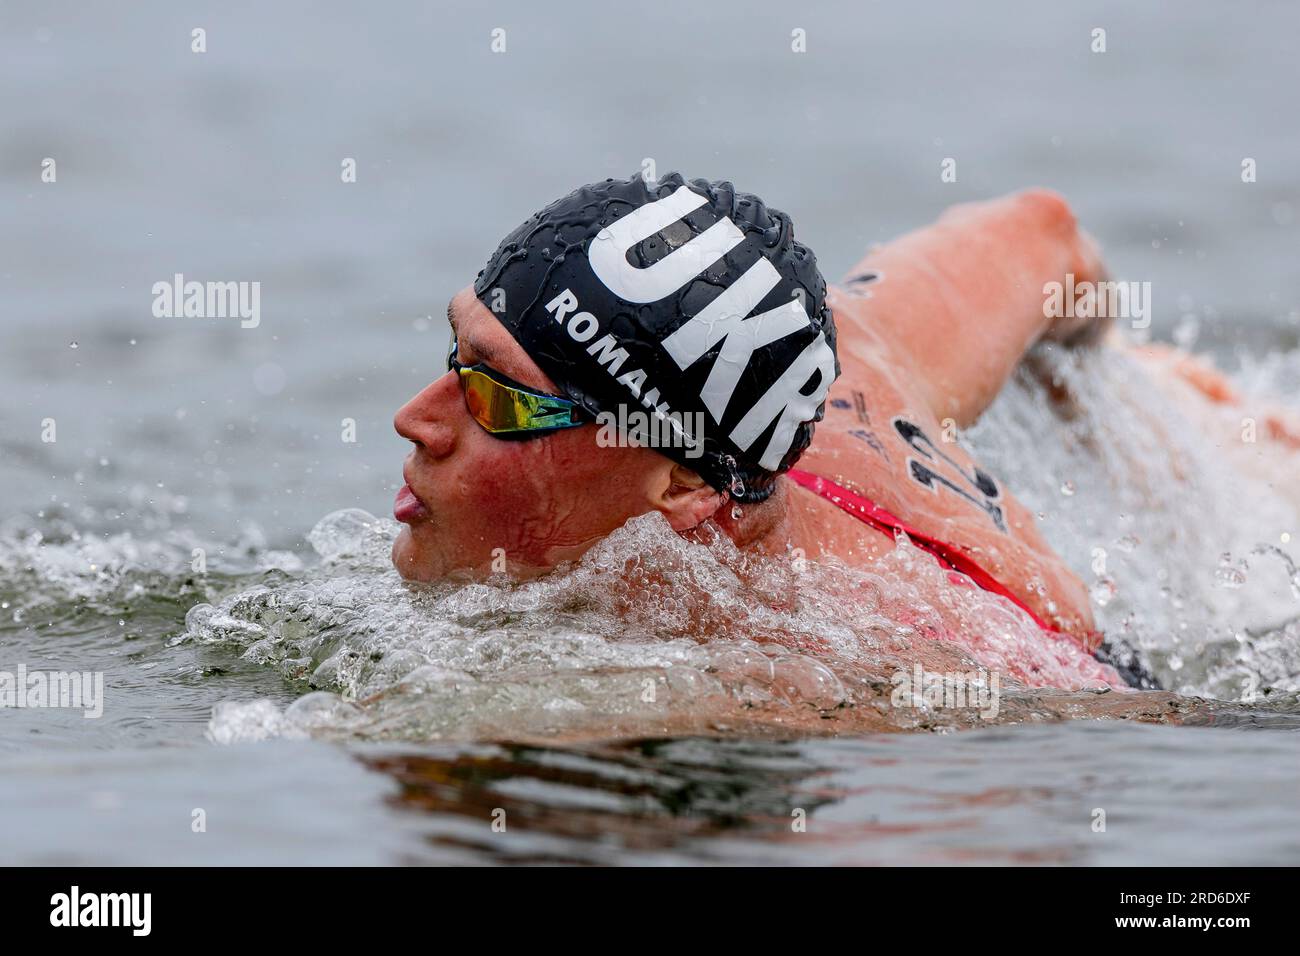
(1277, 423)
(1086, 266)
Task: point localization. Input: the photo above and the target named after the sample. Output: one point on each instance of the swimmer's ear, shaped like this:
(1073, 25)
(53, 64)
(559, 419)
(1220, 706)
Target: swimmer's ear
(684, 498)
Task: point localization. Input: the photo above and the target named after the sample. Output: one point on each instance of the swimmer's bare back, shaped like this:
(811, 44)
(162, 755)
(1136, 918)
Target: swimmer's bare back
(929, 327)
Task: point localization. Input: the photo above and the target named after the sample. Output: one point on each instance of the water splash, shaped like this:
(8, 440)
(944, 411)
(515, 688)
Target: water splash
(49, 563)
(648, 631)
(1167, 478)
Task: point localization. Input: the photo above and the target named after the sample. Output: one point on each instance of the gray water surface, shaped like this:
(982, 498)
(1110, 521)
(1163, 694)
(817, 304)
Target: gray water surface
(1027, 795)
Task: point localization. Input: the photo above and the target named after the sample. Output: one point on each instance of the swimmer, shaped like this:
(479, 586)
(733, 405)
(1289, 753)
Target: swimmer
(691, 302)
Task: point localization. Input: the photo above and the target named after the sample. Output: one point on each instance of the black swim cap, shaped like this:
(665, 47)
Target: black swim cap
(688, 301)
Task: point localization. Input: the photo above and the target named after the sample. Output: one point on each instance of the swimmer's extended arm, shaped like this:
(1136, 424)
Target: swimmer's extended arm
(961, 301)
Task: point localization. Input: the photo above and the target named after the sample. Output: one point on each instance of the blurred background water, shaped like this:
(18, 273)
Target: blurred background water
(179, 433)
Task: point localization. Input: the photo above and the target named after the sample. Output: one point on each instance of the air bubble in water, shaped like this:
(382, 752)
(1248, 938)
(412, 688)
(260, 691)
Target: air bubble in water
(1103, 591)
(234, 722)
(1229, 575)
(349, 531)
(1067, 488)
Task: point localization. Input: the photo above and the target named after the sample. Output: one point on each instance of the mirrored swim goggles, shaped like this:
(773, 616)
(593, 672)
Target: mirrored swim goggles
(507, 409)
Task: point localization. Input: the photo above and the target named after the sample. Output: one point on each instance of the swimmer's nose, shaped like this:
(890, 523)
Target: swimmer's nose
(429, 420)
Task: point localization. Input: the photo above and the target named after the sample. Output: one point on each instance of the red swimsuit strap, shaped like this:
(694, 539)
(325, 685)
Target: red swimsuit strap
(870, 513)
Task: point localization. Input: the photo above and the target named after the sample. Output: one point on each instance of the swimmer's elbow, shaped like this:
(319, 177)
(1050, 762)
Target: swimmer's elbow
(1048, 208)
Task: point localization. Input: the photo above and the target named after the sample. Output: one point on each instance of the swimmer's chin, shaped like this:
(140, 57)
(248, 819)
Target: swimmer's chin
(417, 568)
(407, 561)
(404, 559)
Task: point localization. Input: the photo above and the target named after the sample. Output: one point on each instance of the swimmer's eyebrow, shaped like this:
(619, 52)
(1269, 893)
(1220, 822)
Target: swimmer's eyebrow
(482, 351)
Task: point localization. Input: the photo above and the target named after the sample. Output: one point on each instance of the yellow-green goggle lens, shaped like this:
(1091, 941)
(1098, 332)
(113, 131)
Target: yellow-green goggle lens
(500, 408)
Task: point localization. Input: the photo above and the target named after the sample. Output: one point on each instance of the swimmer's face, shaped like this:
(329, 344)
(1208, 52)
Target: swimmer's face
(476, 500)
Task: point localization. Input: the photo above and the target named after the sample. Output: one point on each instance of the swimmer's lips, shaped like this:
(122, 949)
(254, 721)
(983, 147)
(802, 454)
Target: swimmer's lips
(407, 508)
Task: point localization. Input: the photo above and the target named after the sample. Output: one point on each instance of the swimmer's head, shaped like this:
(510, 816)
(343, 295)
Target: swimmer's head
(680, 314)
(682, 301)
